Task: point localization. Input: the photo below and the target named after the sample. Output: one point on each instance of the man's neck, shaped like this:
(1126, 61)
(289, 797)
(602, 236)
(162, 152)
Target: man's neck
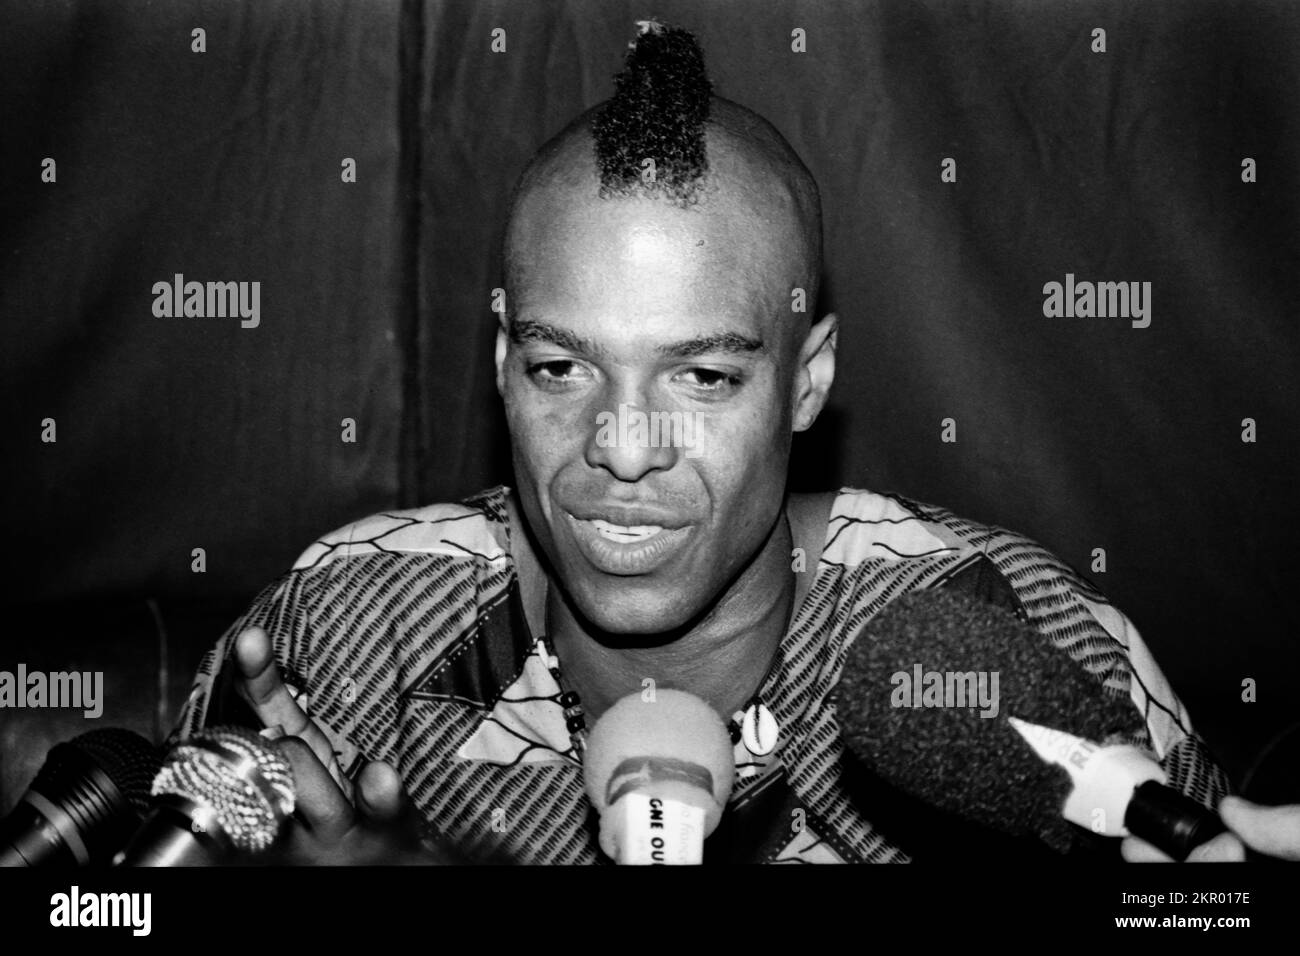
(723, 659)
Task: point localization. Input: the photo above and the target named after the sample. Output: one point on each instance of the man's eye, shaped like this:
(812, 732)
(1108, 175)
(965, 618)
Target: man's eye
(710, 379)
(555, 372)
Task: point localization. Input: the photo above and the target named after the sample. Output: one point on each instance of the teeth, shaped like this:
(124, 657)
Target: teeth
(624, 533)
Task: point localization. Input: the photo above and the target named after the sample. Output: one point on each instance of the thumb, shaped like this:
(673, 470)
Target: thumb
(1274, 831)
(1222, 848)
(380, 794)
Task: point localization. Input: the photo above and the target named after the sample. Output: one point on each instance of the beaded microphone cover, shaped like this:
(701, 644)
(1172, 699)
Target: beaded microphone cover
(232, 770)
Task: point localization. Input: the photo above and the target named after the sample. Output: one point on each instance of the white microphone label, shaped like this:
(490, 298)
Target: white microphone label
(659, 831)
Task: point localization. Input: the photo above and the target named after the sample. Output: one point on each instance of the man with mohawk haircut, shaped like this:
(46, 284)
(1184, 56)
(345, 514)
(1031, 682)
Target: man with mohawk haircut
(458, 652)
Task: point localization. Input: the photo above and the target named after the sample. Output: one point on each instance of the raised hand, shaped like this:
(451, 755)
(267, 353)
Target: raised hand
(334, 823)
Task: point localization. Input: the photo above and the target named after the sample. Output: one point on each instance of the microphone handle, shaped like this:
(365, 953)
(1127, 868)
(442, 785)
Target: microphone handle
(178, 832)
(1170, 820)
(29, 837)
(72, 815)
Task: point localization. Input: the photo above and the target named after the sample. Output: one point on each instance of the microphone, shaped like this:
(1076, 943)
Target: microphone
(926, 699)
(1120, 789)
(219, 794)
(659, 772)
(87, 799)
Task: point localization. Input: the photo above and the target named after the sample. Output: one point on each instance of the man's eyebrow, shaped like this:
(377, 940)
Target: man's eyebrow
(716, 342)
(531, 330)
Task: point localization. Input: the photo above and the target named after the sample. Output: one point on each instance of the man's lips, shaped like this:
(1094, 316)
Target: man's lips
(644, 543)
(625, 534)
(629, 516)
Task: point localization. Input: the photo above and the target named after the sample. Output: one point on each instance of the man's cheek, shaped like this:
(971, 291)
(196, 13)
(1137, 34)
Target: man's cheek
(747, 472)
(540, 458)
(736, 448)
(546, 435)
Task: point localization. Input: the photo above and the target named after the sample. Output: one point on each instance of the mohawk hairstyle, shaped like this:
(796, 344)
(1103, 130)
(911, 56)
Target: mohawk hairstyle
(658, 112)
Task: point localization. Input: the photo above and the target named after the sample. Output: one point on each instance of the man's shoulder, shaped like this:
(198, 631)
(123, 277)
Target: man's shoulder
(474, 529)
(884, 545)
(866, 525)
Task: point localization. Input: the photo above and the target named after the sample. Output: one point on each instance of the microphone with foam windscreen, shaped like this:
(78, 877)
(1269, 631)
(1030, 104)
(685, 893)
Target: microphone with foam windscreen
(220, 794)
(659, 769)
(925, 700)
(87, 799)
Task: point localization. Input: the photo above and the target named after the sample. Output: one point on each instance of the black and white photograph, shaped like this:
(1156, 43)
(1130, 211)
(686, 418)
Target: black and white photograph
(452, 446)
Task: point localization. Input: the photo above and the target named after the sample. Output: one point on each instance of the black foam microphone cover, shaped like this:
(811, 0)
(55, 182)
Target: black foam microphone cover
(950, 758)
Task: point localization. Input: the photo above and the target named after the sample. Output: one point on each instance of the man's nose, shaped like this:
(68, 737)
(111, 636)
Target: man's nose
(625, 442)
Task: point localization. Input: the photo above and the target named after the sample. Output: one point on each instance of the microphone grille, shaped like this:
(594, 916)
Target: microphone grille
(248, 785)
(129, 760)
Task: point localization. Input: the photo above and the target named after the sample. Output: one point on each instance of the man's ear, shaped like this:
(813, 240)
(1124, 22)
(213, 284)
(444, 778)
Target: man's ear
(503, 342)
(816, 372)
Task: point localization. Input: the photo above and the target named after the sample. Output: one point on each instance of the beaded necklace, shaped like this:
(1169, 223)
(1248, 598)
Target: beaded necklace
(755, 725)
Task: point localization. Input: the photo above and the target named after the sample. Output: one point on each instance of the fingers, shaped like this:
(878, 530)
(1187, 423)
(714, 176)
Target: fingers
(383, 802)
(1136, 850)
(262, 685)
(332, 832)
(1274, 831)
(380, 793)
(319, 802)
(1224, 848)
(268, 696)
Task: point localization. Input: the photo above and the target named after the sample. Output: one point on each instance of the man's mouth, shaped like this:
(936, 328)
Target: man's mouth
(626, 549)
(624, 534)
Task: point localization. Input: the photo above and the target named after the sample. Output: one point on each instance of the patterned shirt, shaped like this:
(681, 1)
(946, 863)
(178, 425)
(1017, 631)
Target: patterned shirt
(404, 637)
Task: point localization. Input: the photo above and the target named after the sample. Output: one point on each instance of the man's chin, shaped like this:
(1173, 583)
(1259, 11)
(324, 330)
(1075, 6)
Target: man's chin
(624, 619)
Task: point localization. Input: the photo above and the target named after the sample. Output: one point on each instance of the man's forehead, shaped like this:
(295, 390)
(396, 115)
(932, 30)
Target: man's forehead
(594, 253)
(645, 228)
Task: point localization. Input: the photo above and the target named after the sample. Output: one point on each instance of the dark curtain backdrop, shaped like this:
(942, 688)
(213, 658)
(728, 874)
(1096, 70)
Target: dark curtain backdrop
(183, 433)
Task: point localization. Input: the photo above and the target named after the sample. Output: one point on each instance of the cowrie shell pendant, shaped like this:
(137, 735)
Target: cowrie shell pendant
(759, 729)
